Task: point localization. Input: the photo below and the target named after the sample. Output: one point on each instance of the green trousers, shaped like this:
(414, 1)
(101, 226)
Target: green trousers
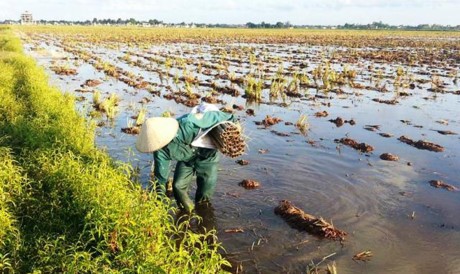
(206, 178)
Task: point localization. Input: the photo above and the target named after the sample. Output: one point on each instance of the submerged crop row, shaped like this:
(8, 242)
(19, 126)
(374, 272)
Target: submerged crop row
(346, 38)
(66, 206)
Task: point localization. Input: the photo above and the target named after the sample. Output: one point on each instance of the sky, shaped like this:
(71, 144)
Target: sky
(299, 12)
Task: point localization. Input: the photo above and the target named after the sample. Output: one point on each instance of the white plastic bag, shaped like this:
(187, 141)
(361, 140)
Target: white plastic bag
(204, 140)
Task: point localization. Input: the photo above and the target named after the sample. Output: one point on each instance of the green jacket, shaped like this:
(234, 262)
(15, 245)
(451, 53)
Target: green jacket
(180, 148)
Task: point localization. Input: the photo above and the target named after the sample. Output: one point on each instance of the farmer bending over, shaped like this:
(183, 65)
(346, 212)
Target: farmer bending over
(170, 139)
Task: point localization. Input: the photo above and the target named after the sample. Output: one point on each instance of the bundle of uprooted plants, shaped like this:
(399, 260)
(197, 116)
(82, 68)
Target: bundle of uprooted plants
(229, 139)
(297, 218)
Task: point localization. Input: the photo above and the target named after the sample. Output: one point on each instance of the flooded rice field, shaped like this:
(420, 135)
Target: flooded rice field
(365, 137)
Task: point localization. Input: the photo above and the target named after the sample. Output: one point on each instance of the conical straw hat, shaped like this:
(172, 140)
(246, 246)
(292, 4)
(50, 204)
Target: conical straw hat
(156, 133)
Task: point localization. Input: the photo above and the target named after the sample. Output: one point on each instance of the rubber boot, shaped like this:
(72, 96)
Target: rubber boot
(206, 178)
(183, 176)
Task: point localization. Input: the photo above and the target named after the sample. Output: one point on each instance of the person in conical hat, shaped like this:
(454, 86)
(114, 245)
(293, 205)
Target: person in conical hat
(170, 139)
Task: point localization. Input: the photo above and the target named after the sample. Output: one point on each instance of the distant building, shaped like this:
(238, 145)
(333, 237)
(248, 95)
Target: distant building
(26, 18)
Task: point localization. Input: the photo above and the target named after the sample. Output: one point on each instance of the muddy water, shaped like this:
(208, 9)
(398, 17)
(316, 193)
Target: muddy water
(386, 207)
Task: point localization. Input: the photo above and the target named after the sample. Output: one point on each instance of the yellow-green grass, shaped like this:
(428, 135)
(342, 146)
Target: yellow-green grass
(67, 206)
(10, 187)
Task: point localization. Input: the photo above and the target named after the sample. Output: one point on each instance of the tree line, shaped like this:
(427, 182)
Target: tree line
(251, 25)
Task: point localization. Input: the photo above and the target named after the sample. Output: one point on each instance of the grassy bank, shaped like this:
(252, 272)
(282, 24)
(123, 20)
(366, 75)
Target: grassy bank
(66, 206)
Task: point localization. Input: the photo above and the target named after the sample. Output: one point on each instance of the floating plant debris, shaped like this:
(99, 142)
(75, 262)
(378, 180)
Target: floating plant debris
(441, 184)
(92, 83)
(321, 114)
(446, 132)
(389, 157)
(242, 162)
(83, 90)
(269, 121)
(145, 100)
(297, 218)
(363, 147)
(227, 109)
(372, 127)
(212, 100)
(249, 184)
(63, 70)
(386, 135)
(234, 230)
(131, 130)
(383, 101)
(420, 144)
(238, 107)
(363, 256)
(191, 102)
(282, 134)
(250, 112)
(338, 121)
